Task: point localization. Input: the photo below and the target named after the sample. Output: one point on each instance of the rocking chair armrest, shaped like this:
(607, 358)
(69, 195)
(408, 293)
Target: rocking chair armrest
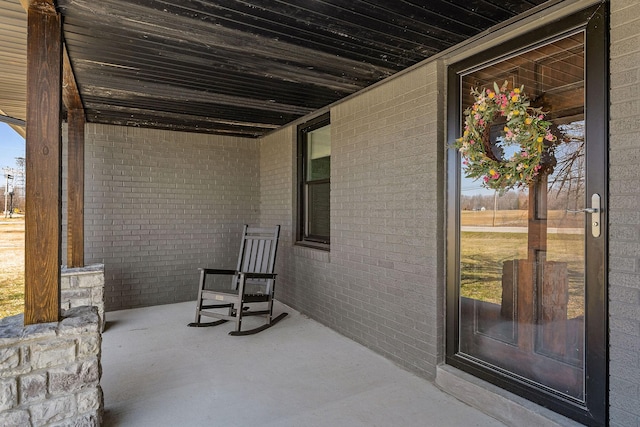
(249, 275)
(218, 271)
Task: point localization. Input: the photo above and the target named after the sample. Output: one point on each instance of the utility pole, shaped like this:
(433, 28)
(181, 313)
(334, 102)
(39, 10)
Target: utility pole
(19, 173)
(495, 206)
(10, 175)
(6, 192)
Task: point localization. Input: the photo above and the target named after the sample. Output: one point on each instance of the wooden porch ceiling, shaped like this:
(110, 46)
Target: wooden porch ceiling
(246, 67)
(13, 64)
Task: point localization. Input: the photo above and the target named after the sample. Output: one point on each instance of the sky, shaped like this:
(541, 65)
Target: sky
(11, 146)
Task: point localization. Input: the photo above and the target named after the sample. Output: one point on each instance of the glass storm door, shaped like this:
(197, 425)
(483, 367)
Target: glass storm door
(526, 303)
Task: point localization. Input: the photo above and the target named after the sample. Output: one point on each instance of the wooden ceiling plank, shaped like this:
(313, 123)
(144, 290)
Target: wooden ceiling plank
(160, 92)
(188, 117)
(196, 111)
(241, 37)
(330, 26)
(252, 56)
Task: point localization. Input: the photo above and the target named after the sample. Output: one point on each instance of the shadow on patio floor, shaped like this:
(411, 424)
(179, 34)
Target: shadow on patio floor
(159, 372)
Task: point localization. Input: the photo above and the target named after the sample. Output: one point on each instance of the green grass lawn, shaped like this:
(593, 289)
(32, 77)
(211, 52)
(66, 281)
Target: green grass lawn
(483, 254)
(11, 297)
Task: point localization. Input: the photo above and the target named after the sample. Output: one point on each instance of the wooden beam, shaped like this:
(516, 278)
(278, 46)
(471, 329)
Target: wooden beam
(75, 161)
(11, 120)
(43, 225)
(20, 129)
(75, 189)
(70, 93)
(76, 118)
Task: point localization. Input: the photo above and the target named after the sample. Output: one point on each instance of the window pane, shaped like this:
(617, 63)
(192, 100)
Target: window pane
(319, 153)
(522, 252)
(318, 209)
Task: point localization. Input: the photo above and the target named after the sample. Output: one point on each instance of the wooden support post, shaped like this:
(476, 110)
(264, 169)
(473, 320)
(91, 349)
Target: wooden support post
(75, 189)
(43, 222)
(537, 224)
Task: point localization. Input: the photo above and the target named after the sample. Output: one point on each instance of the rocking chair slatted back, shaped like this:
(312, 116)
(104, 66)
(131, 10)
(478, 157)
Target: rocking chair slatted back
(258, 253)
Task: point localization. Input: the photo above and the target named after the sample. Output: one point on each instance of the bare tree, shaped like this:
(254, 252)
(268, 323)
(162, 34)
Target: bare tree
(568, 180)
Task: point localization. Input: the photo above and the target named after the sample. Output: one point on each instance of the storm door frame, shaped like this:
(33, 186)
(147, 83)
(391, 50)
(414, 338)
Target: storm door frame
(594, 22)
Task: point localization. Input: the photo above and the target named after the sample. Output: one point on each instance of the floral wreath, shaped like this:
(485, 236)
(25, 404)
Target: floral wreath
(525, 127)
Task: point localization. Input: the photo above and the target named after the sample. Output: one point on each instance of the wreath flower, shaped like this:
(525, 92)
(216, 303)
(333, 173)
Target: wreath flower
(525, 128)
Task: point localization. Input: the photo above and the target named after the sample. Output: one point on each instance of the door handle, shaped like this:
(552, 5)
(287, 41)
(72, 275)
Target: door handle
(585, 210)
(595, 211)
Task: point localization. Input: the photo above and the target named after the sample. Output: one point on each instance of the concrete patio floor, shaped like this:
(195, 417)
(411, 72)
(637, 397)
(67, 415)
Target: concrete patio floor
(159, 372)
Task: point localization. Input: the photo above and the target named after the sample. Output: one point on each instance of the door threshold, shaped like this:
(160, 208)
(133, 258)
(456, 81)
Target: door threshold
(500, 404)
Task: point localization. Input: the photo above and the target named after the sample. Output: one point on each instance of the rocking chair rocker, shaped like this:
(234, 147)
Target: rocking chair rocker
(253, 282)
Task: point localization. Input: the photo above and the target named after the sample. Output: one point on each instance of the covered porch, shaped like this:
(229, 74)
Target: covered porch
(156, 129)
(158, 372)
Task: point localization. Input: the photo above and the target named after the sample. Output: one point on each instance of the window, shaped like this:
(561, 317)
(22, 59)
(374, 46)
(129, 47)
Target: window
(314, 180)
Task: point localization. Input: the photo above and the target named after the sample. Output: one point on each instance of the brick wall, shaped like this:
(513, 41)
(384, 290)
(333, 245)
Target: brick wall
(382, 282)
(624, 215)
(386, 182)
(161, 204)
(277, 160)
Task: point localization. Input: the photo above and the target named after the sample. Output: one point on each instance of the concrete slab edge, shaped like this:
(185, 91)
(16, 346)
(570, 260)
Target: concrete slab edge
(500, 404)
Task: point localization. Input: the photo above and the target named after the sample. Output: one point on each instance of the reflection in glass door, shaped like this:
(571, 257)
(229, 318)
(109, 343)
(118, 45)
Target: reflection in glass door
(525, 300)
(522, 252)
